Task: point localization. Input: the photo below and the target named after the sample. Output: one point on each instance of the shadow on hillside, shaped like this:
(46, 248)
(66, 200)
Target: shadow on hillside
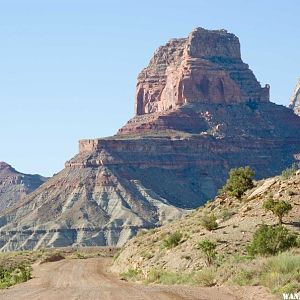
(294, 223)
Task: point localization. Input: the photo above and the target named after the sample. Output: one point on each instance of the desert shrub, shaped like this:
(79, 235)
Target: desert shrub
(131, 274)
(278, 207)
(269, 240)
(14, 275)
(172, 240)
(239, 181)
(146, 254)
(281, 273)
(206, 277)
(208, 248)
(226, 214)
(80, 255)
(167, 277)
(244, 277)
(209, 221)
(288, 172)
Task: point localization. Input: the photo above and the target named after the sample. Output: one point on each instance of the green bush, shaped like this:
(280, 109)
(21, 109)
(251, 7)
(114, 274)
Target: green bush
(172, 240)
(208, 248)
(209, 221)
(269, 240)
(14, 275)
(278, 207)
(239, 181)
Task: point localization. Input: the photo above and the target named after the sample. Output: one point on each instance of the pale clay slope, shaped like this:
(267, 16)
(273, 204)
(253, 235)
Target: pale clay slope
(79, 208)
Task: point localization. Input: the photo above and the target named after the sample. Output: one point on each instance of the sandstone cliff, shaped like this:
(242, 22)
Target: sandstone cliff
(295, 99)
(205, 67)
(199, 112)
(14, 186)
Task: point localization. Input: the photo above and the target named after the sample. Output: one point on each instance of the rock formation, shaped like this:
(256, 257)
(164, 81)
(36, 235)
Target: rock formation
(206, 67)
(14, 186)
(295, 99)
(199, 112)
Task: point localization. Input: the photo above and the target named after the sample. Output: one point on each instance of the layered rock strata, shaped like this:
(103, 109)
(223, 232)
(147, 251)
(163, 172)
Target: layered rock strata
(14, 186)
(199, 112)
(205, 67)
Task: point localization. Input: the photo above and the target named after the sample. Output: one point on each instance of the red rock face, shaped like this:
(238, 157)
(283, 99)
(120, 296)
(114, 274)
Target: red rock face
(206, 67)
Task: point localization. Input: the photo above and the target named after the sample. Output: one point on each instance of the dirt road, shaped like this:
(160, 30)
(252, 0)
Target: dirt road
(88, 279)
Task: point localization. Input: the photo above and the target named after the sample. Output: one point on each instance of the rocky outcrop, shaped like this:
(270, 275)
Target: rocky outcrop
(205, 67)
(14, 186)
(171, 157)
(295, 99)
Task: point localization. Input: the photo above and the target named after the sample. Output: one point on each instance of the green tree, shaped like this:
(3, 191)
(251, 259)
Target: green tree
(208, 248)
(209, 221)
(278, 207)
(269, 240)
(239, 181)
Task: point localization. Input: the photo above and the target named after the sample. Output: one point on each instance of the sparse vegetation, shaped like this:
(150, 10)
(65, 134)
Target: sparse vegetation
(131, 274)
(209, 221)
(288, 172)
(279, 273)
(208, 248)
(278, 207)
(236, 251)
(172, 240)
(270, 240)
(115, 257)
(239, 181)
(204, 277)
(12, 275)
(80, 255)
(146, 254)
(226, 214)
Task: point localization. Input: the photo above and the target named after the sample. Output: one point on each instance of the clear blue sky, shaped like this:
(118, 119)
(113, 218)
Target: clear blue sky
(68, 68)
